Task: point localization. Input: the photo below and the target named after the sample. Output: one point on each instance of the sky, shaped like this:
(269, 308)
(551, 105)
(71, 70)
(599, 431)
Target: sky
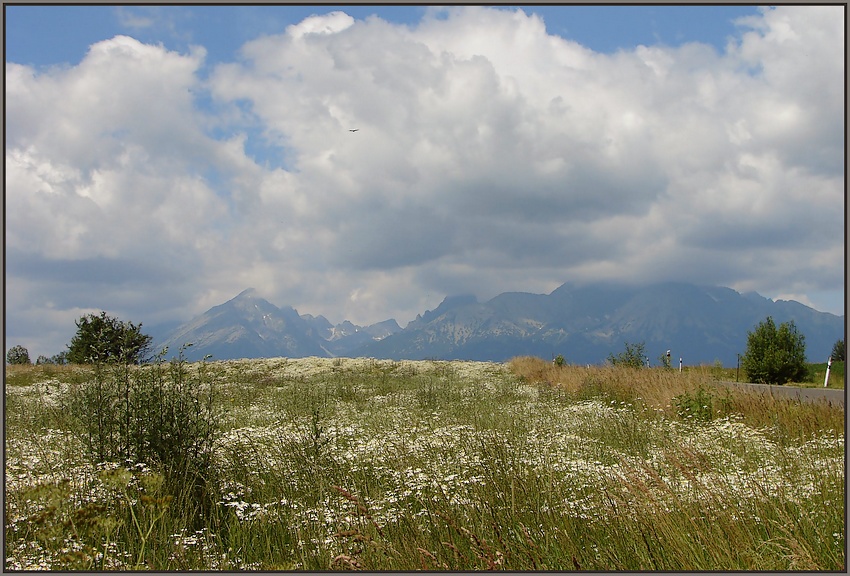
(161, 159)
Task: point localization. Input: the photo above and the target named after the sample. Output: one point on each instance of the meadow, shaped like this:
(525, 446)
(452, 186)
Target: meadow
(363, 464)
(815, 374)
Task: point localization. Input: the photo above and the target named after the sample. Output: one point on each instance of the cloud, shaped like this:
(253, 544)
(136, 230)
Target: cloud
(154, 22)
(490, 156)
(330, 23)
(133, 19)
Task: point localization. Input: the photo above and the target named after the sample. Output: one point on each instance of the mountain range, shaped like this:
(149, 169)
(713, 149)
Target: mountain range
(584, 323)
(249, 326)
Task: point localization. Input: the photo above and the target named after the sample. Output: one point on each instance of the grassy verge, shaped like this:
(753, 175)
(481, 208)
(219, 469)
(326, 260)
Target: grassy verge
(341, 464)
(817, 373)
(814, 377)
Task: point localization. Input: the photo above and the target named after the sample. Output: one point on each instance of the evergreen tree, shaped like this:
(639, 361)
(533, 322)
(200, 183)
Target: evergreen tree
(838, 351)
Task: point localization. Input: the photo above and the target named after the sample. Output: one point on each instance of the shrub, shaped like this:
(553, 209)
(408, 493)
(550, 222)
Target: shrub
(55, 359)
(161, 414)
(775, 355)
(633, 356)
(18, 355)
(698, 405)
(103, 338)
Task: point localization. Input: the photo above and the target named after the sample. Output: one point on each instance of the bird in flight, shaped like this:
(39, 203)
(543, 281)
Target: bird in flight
(354, 129)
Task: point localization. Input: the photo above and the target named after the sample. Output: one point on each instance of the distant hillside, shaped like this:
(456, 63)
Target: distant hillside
(586, 323)
(248, 326)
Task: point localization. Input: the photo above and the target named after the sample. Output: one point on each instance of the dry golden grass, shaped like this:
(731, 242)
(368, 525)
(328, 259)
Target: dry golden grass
(659, 388)
(656, 386)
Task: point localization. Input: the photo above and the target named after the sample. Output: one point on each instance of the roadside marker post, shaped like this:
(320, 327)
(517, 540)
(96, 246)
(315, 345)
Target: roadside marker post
(828, 366)
(680, 363)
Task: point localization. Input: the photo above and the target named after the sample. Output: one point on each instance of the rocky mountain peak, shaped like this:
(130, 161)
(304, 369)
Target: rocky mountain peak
(584, 323)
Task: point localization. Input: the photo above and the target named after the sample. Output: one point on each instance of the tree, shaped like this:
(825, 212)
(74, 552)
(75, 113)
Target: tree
(775, 355)
(103, 339)
(18, 355)
(633, 356)
(838, 351)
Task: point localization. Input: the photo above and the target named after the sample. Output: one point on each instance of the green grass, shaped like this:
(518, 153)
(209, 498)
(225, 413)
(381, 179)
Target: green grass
(817, 373)
(377, 465)
(814, 377)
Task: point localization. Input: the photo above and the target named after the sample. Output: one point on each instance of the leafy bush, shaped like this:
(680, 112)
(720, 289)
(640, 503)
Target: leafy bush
(18, 355)
(159, 414)
(775, 355)
(633, 356)
(103, 338)
(60, 359)
(559, 360)
(698, 405)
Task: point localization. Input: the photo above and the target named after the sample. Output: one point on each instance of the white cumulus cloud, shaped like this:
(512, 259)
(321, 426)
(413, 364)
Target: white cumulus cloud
(490, 155)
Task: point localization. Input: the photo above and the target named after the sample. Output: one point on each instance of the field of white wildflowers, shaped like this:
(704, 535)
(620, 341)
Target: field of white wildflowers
(336, 464)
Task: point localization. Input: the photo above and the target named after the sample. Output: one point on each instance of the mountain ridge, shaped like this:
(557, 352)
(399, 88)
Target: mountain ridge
(584, 323)
(249, 326)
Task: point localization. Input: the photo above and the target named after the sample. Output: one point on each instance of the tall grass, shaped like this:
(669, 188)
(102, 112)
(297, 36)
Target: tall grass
(817, 374)
(673, 392)
(341, 464)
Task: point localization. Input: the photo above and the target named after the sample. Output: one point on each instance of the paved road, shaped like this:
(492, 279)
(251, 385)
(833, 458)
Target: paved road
(830, 395)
